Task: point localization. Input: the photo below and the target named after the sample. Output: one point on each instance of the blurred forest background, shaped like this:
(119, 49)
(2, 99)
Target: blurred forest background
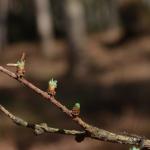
(98, 50)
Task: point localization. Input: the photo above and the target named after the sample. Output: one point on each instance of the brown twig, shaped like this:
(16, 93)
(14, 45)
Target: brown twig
(92, 131)
(39, 128)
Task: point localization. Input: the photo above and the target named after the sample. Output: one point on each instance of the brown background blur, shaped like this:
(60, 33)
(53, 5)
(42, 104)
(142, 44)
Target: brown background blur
(98, 50)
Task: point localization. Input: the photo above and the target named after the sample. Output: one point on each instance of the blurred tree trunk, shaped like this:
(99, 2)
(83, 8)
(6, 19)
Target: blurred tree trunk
(76, 32)
(45, 26)
(3, 24)
(101, 14)
(113, 8)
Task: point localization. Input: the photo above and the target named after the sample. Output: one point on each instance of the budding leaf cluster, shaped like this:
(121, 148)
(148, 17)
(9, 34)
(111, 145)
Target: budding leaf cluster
(53, 83)
(21, 64)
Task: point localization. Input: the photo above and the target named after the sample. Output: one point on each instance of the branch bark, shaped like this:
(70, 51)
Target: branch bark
(39, 128)
(91, 131)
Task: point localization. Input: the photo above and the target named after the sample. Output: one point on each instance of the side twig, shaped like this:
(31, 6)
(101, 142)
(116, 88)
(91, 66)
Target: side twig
(39, 128)
(93, 132)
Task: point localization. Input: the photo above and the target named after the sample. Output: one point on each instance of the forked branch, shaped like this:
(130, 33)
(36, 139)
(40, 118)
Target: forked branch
(40, 128)
(91, 131)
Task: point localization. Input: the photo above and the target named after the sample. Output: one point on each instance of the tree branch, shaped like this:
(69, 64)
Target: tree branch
(39, 128)
(91, 131)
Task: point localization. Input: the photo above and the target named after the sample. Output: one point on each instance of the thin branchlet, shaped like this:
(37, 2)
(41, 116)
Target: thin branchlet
(91, 131)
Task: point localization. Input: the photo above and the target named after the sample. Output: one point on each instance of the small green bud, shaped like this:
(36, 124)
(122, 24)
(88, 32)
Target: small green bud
(77, 105)
(53, 83)
(76, 109)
